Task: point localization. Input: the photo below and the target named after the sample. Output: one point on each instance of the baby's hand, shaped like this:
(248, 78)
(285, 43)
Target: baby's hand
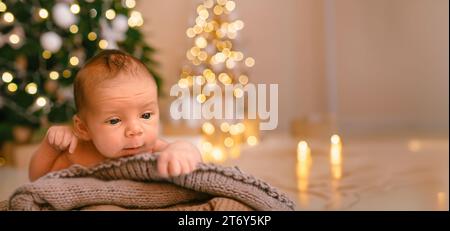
(61, 138)
(178, 158)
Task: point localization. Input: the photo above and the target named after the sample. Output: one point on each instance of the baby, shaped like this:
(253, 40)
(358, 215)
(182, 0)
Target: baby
(117, 116)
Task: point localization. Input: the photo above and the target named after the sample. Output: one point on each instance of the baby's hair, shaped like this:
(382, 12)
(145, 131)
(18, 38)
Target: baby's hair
(105, 65)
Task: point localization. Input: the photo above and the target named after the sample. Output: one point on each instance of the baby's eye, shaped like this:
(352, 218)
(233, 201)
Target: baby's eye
(113, 121)
(146, 115)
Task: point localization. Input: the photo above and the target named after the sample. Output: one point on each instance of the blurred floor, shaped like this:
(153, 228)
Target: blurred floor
(378, 173)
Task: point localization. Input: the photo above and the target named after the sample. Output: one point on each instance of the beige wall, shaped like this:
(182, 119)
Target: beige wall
(387, 60)
(392, 65)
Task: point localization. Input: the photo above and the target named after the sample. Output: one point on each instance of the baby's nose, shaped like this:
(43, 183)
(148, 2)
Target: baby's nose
(134, 131)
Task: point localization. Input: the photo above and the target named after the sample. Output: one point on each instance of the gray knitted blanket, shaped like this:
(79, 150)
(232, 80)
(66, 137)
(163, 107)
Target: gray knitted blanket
(133, 183)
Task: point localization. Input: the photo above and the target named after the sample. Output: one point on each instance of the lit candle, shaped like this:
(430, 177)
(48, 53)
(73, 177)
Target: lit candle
(336, 157)
(303, 151)
(303, 168)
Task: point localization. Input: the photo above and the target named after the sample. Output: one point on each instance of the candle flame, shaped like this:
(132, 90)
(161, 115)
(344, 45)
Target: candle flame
(302, 151)
(336, 157)
(335, 139)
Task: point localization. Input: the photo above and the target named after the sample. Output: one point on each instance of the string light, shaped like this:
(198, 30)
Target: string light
(240, 127)
(14, 39)
(92, 36)
(46, 54)
(190, 33)
(230, 64)
(218, 10)
(130, 3)
(200, 8)
(74, 60)
(238, 93)
(22, 84)
(7, 77)
(73, 29)
(93, 13)
(103, 44)
(135, 19)
(67, 74)
(243, 79)
(43, 13)
(110, 14)
(12, 87)
(75, 8)
(213, 52)
(221, 2)
(203, 14)
(198, 29)
(195, 51)
(183, 83)
(41, 101)
(228, 142)
(225, 127)
(31, 88)
(201, 42)
(208, 128)
(201, 98)
(54, 75)
(3, 7)
(202, 56)
(230, 5)
(8, 17)
(238, 25)
(208, 3)
(249, 62)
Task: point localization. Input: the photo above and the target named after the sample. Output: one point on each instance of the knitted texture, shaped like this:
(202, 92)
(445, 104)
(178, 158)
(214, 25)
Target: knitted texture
(134, 183)
(214, 204)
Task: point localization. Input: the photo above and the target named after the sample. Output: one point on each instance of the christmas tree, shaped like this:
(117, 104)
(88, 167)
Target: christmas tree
(44, 43)
(215, 61)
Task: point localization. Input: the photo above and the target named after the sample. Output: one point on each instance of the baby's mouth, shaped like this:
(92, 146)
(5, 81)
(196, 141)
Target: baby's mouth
(134, 148)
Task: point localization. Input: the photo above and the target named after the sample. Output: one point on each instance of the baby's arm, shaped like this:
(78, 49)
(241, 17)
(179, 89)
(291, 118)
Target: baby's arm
(43, 160)
(48, 157)
(160, 145)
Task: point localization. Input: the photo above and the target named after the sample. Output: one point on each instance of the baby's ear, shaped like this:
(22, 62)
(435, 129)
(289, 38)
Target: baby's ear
(80, 128)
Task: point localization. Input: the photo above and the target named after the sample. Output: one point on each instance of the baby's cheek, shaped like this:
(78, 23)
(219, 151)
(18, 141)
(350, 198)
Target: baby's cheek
(108, 145)
(151, 138)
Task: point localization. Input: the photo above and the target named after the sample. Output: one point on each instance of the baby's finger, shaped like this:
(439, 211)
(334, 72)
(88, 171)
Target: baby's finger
(192, 165)
(185, 168)
(60, 139)
(55, 139)
(66, 142)
(162, 166)
(73, 144)
(51, 137)
(174, 168)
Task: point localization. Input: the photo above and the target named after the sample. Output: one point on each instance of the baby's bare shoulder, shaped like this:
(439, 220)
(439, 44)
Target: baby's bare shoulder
(85, 154)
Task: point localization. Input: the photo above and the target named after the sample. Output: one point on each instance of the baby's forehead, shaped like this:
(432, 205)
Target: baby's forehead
(120, 83)
(121, 104)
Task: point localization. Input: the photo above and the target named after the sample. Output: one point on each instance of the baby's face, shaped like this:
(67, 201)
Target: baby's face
(122, 116)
